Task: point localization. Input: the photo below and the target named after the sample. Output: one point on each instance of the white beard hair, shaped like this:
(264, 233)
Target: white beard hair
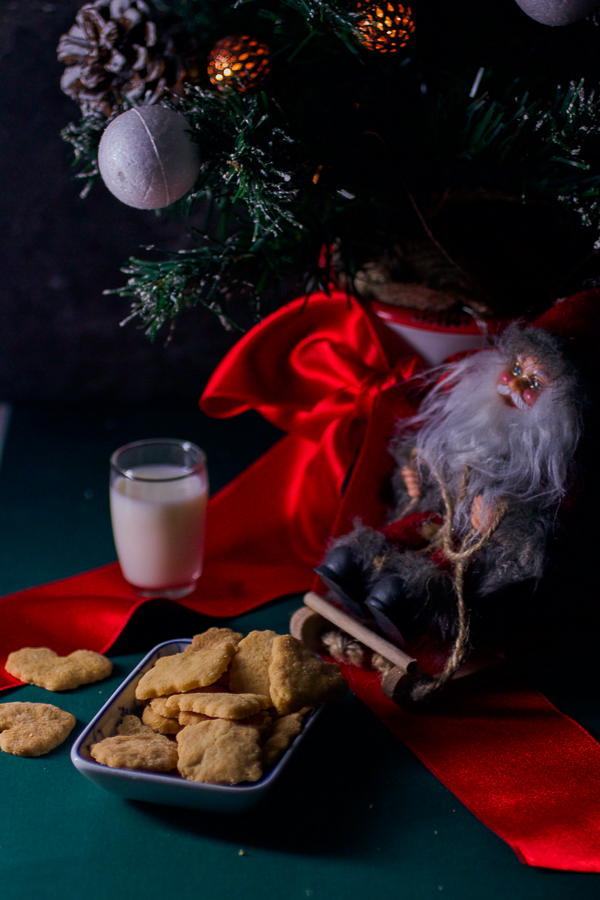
(511, 453)
(505, 391)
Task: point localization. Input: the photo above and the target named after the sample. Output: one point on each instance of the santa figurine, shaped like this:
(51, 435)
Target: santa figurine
(480, 474)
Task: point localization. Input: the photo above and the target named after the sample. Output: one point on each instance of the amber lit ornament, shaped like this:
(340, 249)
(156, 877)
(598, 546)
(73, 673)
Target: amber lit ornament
(384, 26)
(239, 62)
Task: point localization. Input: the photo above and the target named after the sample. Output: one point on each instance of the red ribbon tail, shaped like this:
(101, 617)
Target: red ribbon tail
(527, 771)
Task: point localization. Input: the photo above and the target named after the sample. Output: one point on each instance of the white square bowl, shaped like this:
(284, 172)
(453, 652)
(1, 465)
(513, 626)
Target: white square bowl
(157, 788)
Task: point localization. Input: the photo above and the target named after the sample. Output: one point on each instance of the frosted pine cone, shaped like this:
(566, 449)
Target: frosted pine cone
(124, 47)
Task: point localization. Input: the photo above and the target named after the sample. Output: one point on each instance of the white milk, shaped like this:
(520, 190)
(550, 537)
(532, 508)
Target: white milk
(159, 526)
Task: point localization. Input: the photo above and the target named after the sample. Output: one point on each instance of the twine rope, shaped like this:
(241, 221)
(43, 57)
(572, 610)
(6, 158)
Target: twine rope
(445, 540)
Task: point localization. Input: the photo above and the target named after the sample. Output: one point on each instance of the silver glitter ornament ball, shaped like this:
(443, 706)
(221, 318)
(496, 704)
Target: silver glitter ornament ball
(557, 12)
(146, 158)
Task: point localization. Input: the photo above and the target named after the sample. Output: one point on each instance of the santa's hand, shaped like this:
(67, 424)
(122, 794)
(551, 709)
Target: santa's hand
(411, 480)
(482, 515)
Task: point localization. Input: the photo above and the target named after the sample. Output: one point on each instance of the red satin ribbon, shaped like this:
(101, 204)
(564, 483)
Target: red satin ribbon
(319, 372)
(527, 771)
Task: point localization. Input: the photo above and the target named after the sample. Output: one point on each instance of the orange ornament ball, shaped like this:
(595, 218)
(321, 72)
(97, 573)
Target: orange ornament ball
(384, 26)
(239, 62)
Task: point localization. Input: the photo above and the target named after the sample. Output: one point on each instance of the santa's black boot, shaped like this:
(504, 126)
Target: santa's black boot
(385, 602)
(344, 575)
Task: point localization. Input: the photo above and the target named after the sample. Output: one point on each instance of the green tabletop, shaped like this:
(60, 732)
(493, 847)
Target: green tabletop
(354, 815)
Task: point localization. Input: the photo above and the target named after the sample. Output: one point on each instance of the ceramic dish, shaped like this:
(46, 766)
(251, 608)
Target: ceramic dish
(169, 789)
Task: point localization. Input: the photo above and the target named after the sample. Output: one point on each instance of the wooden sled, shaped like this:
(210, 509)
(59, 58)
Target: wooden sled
(318, 615)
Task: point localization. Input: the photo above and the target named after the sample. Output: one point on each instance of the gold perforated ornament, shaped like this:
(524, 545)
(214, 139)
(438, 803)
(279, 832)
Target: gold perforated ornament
(385, 26)
(240, 62)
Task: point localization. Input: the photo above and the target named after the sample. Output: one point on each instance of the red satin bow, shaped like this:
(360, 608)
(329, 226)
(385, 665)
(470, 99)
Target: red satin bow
(318, 371)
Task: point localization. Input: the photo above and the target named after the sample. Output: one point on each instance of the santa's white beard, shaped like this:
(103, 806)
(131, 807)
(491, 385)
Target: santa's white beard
(510, 452)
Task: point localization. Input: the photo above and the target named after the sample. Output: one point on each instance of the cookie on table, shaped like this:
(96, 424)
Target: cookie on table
(32, 729)
(45, 668)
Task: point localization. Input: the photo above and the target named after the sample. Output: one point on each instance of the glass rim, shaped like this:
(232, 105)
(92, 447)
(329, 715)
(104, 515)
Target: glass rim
(173, 442)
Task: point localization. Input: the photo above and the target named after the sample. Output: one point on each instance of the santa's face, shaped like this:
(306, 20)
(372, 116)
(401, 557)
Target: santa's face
(522, 384)
(515, 449)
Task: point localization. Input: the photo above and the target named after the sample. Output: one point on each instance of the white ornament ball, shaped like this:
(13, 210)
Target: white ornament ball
(557, 12)
(146, 158)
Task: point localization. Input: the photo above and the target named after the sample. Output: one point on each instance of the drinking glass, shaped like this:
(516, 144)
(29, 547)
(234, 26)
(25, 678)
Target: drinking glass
(158, 496)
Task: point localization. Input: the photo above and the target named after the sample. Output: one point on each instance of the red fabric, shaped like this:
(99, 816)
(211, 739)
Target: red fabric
(318, 371)
(527, 771)
(576, 319)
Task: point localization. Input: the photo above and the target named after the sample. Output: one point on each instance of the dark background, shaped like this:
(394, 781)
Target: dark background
(60, 338)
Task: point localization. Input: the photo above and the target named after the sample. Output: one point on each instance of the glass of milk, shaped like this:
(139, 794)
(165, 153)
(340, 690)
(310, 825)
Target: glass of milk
(158, 495)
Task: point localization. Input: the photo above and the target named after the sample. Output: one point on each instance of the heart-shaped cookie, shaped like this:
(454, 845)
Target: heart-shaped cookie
(32, 729)
(43, 667)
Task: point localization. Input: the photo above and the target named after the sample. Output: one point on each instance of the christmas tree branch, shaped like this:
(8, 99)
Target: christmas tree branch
(539, 140)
